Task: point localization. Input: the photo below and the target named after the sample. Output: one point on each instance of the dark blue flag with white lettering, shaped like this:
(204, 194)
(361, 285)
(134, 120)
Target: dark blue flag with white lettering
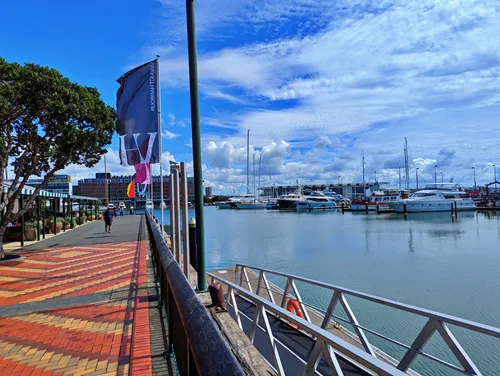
(138, 116)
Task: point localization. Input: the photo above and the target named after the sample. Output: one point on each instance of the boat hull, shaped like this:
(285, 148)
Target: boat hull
(250, 205)
(439, 206)
(287, 204)
(225, 205)
(306, 205)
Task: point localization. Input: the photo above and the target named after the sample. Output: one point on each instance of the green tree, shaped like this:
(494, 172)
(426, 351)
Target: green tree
(46, 123)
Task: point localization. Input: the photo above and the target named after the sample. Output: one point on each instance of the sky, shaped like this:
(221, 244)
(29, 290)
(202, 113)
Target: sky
(317, 82)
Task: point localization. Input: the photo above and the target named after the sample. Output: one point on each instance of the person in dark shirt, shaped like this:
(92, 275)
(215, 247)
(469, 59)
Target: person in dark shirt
(108, 219)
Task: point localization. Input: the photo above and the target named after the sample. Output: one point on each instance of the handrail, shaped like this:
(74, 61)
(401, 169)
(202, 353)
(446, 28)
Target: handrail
(468, 324)
(436, 322)
(197, 342)
(323, 337)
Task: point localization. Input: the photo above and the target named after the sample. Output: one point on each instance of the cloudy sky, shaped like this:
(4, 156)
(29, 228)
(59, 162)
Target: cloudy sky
(317, 82)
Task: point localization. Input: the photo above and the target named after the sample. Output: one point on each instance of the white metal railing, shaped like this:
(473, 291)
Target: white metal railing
(326, 345)
(435, 321)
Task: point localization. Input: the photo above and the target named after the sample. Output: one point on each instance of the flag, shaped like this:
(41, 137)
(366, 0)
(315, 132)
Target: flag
(131, 189)
(142, 173)
(136, 105)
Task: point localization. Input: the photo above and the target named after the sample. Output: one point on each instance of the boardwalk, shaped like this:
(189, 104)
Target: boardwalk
(78, 304)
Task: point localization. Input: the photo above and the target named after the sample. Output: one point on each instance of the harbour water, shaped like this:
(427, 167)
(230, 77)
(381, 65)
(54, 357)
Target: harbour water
(431, 260)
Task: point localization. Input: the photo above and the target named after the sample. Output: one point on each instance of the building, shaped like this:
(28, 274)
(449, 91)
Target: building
(117, 189)
(56, 184)
(351, 190)
(208, 192)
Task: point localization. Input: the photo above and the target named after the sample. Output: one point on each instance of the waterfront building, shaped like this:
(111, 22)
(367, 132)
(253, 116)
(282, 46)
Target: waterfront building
(56, 184)
(350, 190)
(117, 189)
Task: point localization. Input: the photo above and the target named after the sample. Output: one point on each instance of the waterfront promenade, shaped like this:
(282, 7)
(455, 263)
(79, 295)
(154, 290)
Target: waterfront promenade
(79, 304)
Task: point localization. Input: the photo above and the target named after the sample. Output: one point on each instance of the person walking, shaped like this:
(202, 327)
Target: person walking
(108, 219)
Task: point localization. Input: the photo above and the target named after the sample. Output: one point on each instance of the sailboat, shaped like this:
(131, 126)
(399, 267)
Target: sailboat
(253, 203)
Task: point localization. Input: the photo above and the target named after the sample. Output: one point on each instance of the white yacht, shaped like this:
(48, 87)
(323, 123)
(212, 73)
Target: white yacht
(316, 201)
(289, 201)
(435, 198)
(231, 203)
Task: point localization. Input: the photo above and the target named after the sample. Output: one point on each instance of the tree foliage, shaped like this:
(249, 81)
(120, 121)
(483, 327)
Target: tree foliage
(46, 123)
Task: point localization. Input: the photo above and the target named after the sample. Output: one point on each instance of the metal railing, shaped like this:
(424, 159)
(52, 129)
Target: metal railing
(326, 344)
(435, 321)
(194, 338)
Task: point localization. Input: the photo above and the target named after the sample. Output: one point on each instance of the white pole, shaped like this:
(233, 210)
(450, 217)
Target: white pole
(158, 107)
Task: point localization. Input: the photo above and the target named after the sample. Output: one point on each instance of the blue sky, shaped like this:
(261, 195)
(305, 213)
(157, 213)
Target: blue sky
(317, 82)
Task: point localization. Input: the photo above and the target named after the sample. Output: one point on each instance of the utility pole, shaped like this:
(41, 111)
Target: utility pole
(195, 129)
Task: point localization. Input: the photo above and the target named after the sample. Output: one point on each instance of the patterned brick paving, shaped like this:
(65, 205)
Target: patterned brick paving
(110, 337)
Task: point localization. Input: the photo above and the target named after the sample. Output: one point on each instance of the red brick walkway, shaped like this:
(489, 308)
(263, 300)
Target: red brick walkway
(109, 337)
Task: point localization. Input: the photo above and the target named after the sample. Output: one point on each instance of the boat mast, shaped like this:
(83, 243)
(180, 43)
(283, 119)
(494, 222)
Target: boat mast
(407, 166)
(248, 161)
(254, 176)
(399, 170)
(260, 168)
(364, 185)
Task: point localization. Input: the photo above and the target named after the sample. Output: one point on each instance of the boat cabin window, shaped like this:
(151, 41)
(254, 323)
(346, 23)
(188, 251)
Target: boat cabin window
(421, 194)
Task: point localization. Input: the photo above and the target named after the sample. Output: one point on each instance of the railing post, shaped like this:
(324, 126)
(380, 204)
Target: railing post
(193, 258)
(177, 223)
(285, 291)
(184, 220)
(172, 215)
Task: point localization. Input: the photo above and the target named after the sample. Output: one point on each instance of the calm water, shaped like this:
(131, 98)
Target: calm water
(430, 260)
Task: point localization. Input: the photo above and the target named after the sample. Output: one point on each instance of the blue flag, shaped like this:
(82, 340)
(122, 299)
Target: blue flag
(136, 104)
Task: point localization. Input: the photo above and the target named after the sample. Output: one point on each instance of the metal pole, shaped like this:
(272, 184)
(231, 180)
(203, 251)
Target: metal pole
(197, 161)
(44, 215)
(416, 176)
(364, 185)
(171, 204)
(185, 220)
(38, 218)
(248, 161)
(55, 214)
(435, 174)
(71, 213)
(474, 170)
(495, 171)
(106, 193)
(442, 179)
(64, 224)
(177, 223)
(22, 219)
(158, 108)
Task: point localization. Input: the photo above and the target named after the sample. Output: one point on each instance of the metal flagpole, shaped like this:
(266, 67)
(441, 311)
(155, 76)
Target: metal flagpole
(158, 108)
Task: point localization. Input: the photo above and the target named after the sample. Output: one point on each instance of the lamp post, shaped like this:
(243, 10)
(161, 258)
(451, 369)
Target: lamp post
(474, 170)
(495, 172)
(435, 173)
(416, 176)
(441, 176)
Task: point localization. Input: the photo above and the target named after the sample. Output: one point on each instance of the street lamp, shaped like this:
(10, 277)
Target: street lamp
(416, 176)
(441, 176)
(495, 171)
(474, 170)
(435, 173)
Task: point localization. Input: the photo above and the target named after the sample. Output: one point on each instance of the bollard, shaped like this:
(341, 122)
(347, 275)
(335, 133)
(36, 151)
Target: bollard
(366, 207)
(217, 296)
(404, 208)
(193, 256)
(377, 208)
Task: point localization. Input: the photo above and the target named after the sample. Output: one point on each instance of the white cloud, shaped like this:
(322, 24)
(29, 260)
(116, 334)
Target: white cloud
(169, 135)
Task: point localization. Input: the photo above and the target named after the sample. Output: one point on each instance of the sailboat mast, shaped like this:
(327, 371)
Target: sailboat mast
(254, 176)
(248, 161)
(407, 166)
(260, 168)
(399, 170)
(364, 186)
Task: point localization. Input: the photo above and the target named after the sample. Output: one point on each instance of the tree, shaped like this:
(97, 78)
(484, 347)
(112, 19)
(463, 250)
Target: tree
(46, 123)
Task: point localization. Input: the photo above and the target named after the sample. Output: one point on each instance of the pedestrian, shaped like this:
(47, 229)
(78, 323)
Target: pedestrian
(121, 212)
(114, 210)
(108, 219)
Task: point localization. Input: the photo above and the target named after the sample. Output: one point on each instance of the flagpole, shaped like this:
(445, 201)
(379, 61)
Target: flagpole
(158, 107)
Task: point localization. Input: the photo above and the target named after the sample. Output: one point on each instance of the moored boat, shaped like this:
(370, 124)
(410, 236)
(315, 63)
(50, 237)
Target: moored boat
(316, 201)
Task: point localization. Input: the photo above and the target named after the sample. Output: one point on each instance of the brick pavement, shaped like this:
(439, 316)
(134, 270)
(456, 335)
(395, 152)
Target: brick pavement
(108, 337)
